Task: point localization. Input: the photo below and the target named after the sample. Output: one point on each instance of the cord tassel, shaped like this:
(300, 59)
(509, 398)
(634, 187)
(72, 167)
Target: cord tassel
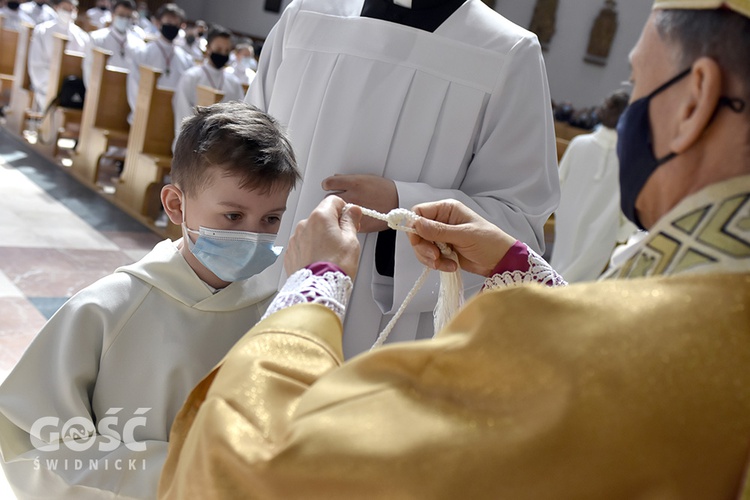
(451, 294)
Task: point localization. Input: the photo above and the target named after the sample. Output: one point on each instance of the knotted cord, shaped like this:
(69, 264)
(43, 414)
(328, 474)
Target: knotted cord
(450, 297)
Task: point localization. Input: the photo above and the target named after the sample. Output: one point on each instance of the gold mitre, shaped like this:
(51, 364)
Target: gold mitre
(739, 6)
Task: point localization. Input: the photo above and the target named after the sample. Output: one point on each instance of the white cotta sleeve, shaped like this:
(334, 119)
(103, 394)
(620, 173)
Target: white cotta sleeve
(52, 444)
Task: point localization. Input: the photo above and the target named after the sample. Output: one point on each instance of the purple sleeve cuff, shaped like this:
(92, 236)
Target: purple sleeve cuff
(320, 268)
(515, 259)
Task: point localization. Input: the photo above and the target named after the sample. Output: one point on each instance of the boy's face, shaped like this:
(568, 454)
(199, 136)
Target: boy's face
(224, 205)
(220, 45)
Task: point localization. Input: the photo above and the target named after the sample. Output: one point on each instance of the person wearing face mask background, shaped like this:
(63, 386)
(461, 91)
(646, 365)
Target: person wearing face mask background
(100, 15)
(193, 40)
(212, 73)
(41, 44)
(38, 10)
(242, 62)
(161, 54)
(128, 348)
(618, 389)
(13, 16)
(119, 39)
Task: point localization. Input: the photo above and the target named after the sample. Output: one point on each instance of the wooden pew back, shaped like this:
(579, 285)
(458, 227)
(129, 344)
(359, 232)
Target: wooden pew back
(104, 121)
(63, 63)
(21, 94)
(8, 49)
(149, 151)
(206, 96)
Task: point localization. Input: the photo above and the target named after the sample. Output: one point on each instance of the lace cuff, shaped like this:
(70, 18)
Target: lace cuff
(538, 271)
(332, 289)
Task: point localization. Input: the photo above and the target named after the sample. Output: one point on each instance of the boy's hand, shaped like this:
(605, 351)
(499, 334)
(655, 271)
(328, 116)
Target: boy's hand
(368, 191)
(328, 235)
(480, 245)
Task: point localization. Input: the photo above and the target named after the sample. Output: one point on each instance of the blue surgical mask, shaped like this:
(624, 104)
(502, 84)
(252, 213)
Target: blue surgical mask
(121, 24)
(232, 255)
(635, 149)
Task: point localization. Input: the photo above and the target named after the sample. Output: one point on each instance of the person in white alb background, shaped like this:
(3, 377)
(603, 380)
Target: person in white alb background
(377, 117)
(161, 54)
(13, 16)
(39, 11)
(119, 38)
(589, 222)
(212, 73)
(41, 44)
(100, 16)
(242, 63)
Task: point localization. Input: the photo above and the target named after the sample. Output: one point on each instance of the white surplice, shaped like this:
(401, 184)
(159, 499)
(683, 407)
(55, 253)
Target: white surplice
(183, 102)
(162, 55)
(12, 19)
(122, 355)
(589, 221)
(38, 13)
(123, 46)
(462, 113)
(40, 48)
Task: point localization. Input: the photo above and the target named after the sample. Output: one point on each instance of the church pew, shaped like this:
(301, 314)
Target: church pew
(562, 145)
(104, 121)
(21, 95)
(63, 122)
(149, 149)
(206, 96)
(567, 132)
(8, 48)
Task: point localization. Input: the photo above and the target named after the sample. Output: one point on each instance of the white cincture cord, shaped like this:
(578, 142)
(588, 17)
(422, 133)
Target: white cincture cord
(450, 298)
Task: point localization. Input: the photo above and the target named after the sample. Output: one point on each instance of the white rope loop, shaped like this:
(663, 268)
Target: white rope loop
(450, 297)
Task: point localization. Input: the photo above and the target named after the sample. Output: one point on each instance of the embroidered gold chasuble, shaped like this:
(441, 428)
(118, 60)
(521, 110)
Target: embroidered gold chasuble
(633, 388)
(706, 232)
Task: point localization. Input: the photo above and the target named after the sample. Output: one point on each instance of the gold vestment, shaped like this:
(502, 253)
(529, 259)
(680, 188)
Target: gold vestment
(634, 388)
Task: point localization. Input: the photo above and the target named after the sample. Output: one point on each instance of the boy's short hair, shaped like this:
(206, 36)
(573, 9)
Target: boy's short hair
(240, 140)
(218, 31)
(74, 3)
(170, 8)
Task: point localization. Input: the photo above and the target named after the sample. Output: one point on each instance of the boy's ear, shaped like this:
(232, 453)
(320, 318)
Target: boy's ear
(171, 199)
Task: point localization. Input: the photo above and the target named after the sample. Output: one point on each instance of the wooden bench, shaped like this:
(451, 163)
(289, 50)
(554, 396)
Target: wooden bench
(104, 121)
(63, 122)
(8, 49)
(206, 96)
(562, 145)
(567, 132)
(149, 149)
(21, 95)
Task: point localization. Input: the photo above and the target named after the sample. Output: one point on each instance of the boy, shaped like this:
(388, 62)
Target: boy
(211, 74)
(41, 44)
(119, 38)
(88, 409)
(161, 54)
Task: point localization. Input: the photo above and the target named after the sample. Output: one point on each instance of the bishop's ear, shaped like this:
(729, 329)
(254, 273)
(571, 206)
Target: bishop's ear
(171, 199)
(698, 109)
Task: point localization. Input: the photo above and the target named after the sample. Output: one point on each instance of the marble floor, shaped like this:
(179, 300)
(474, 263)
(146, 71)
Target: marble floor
(56, 237)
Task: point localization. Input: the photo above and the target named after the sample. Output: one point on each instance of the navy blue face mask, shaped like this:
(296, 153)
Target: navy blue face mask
(635, 149)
